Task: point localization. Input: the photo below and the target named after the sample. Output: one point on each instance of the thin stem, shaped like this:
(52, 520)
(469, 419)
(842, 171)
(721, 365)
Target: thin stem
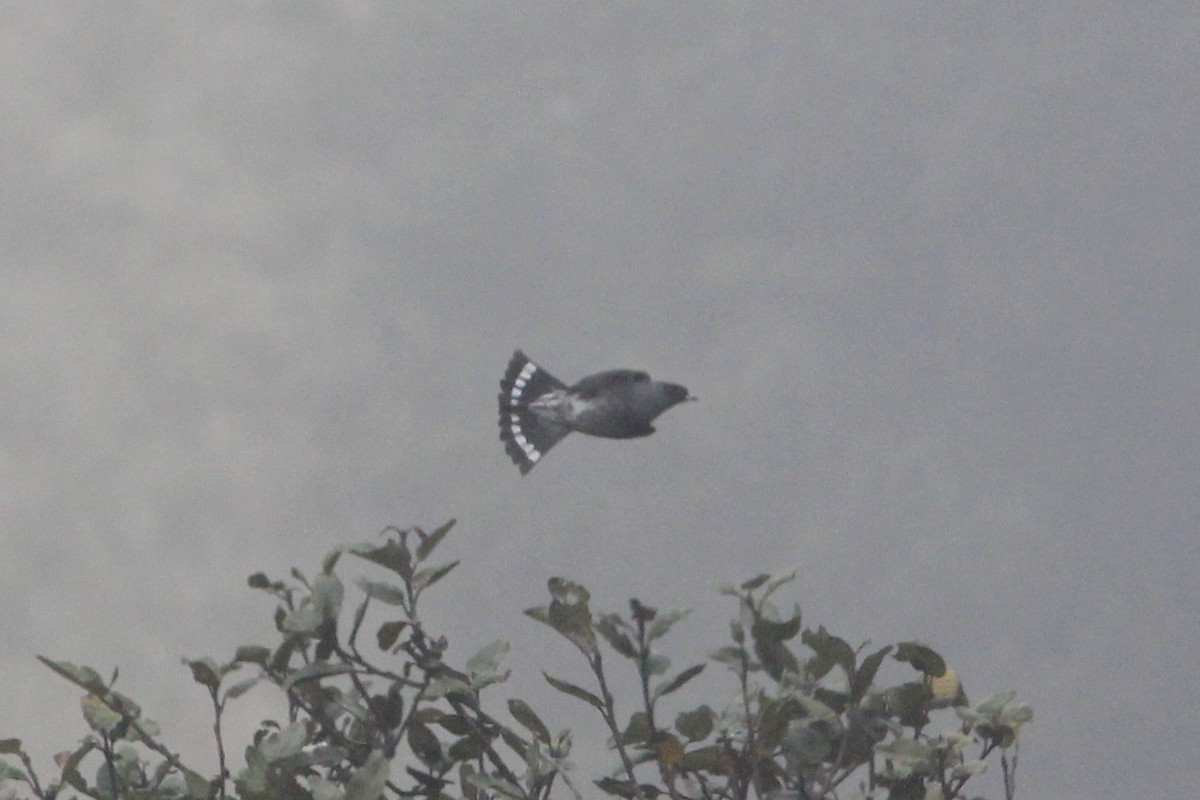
(1010, 773)
(610, 717)
(219, 707)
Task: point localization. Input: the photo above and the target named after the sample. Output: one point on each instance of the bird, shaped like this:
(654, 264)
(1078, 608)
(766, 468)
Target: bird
(537, 409)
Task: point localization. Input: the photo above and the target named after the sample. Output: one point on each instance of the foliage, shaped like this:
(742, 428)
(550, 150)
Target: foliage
(399, 721)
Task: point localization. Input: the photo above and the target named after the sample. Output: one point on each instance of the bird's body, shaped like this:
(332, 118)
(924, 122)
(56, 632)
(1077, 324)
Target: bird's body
(537, 410)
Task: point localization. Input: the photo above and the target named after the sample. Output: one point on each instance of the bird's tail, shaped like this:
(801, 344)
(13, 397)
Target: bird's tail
(527, 432)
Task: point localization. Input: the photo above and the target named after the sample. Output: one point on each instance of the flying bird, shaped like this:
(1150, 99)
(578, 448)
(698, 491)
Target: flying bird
(537, 409)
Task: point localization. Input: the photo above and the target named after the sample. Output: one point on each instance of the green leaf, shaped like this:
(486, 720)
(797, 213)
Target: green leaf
(695, 725)
(574, 691)
(489, 657)
(102, 717)
(285, 743)
(369, 780)
(428, 543)
(922, 658)
(10, 746)
(679, 680)
(205, 672)
(808, 742)
(383, 592)
(10, 773)
(259, 580)
(428, 577)
(1016, 714)
(83, 677)
(969, 768)
(525, 715)
(315, 672)
(331, 560)
(327, 593)
(905, 750)
(388, 633)
(731, 656)
(995, 704)
(241, 687)
(252, 654)
(444, 685)
(665, 620)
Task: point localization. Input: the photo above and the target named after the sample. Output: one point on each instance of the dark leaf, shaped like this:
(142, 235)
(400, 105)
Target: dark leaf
(641, 613)
(10, 746)
(393, 555)
(455, 724)
(776, 631)
(679, 680)
(864, 676)
(704, 759)
(829, 651)
(205, 672)
(776, 716)
(424, 743)
(756, 582)
(695, 725)
(775, 657)
(574, 691)
(627, 789)
(909, 703)
(259, 580)
(389, 632)
(525, 715)
(467, 748)
(514, 742)
(283, 656)
(607, 626)
(638, 730)
(922, 658)
(428, 543)
(569, 592)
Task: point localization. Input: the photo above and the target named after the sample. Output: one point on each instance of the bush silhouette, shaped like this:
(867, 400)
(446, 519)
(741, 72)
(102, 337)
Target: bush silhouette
(378, 711)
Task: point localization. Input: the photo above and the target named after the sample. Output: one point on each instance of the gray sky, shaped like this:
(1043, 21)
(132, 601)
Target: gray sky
(929, 266)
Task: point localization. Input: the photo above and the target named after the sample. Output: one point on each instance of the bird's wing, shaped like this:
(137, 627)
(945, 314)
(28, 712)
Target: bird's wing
(608, 381)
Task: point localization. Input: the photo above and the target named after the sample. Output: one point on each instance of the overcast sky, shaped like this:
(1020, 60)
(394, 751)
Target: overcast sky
(930, 267)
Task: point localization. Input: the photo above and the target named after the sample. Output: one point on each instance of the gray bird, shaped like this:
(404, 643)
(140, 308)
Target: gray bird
(537, 409)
